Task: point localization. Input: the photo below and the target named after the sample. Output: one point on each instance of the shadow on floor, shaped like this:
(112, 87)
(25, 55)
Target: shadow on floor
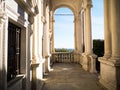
(70, 76)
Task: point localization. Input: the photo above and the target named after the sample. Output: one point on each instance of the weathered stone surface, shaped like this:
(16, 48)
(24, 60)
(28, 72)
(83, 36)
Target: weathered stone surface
(70, 76)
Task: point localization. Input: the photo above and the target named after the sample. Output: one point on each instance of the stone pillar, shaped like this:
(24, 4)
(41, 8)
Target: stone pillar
(76, 33)
(37, 62)
(89, 58)
(53, 34)
(3, 49)
(88, 32)
(107, 30)
(115, 28)
(80, 34)
(110, 67)
(35, 43)
(78, 38)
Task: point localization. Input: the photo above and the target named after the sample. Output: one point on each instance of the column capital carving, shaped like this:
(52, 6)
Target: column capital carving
(87, 4)
(53, 20)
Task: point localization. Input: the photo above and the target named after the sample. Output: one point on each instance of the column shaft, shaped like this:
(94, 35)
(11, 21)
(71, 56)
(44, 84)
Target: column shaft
(88, 32)
(35, 43)
(85, 39)
(115, 28)
(80, 48)
(75, 33)
(53, 34)
(107, 31)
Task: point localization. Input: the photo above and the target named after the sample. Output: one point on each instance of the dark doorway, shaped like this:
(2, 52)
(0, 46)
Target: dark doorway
(14, 33)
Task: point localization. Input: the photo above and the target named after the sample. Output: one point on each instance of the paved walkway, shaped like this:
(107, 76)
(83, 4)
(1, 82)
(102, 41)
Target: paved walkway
(70, 76)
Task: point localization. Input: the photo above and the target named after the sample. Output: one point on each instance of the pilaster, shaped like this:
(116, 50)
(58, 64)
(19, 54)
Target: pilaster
(3, 46)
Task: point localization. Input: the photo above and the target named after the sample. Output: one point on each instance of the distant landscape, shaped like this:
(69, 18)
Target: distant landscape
(64, 49)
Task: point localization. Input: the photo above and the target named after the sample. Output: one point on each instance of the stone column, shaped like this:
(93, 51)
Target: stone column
(76, 33)
(115, 28)
(53, 32)
(80, 34)
(37, 62)
(88, 32)
(78, 38)
(35, 43)
(3, 49)
(89, 58)
(110, 68)
(107, 30)
(3, 45)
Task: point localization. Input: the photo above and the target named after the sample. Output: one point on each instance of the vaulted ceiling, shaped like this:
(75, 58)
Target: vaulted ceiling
(74, 5)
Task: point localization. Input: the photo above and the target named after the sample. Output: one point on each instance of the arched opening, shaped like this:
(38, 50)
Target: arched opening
(63, 29)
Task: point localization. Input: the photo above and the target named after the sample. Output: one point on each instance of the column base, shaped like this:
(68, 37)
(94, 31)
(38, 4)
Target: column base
(89, 62)
(76, 57)
(37, 76)
(47, 64)
(110, 73)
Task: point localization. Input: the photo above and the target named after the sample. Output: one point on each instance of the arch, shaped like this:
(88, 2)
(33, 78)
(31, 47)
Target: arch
(64, 28)
(74, 5)
(63, 5)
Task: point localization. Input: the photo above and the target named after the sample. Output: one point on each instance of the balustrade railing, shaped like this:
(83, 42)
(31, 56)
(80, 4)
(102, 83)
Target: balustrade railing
(62, 57)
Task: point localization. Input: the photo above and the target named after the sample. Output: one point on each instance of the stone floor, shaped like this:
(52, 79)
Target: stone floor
(70, 76)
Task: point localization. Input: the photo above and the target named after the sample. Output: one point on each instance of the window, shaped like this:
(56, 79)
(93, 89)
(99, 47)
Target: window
(14, 33)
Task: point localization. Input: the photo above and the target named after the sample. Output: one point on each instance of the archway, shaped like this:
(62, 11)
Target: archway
(75, 8)
(64, 28)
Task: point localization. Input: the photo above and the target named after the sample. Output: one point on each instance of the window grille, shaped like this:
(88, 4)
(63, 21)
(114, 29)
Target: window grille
(13, 69)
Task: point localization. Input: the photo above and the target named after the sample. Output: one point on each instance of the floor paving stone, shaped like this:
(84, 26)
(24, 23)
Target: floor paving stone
(70, 76)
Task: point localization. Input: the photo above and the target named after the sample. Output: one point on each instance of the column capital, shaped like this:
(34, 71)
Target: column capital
(53, 20)
(87, 4)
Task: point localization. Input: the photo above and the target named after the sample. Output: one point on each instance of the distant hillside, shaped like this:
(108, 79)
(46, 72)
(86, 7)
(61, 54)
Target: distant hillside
(64, 50)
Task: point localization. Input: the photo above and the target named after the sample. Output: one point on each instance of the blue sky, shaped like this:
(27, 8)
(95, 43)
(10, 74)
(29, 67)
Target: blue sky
(64, 25)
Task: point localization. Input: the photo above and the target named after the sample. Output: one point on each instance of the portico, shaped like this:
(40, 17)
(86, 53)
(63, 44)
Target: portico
(80, 9)
(27, 41)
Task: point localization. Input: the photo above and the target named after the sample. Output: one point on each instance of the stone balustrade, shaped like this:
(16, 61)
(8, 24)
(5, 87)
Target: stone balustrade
(62, 57)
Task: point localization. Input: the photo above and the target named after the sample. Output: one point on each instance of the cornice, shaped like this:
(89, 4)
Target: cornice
(28, 7)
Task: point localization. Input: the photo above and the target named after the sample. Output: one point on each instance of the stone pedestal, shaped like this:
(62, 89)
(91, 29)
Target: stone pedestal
(110, 73)
(37, 76)
(89, 62)
(76, 57)
(47, 63)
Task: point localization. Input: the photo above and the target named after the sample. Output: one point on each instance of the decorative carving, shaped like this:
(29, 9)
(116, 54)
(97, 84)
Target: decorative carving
(2, 11)
(2, 6)
(87, 4)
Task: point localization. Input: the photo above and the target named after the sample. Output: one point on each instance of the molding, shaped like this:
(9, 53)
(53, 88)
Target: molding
(15, 16)
(27, 7)
(111, 62)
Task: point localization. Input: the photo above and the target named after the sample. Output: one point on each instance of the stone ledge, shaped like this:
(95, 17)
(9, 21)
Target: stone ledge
(110, 61)
(16, 79)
